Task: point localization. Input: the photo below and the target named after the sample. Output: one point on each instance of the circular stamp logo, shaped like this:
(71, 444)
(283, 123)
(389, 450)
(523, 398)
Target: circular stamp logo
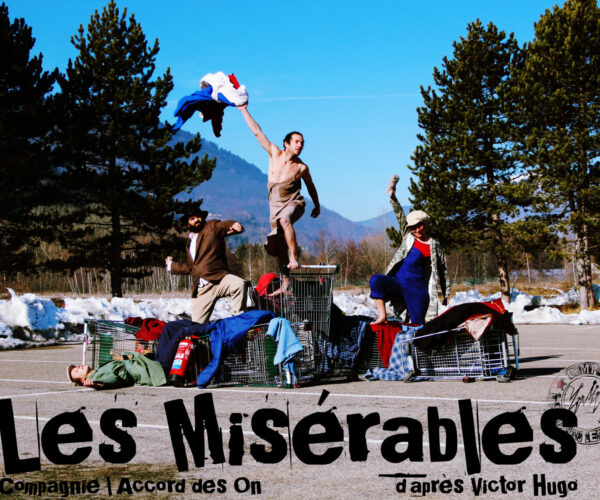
(577, 389)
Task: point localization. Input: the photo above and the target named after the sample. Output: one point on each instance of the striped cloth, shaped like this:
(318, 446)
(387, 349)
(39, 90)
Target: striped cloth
(401, 365)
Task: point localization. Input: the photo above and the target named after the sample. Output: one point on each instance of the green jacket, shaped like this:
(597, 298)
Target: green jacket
(138, 370)
(439, 272)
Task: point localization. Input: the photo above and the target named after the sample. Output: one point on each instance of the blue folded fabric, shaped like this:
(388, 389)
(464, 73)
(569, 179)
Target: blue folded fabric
(225, 333)
(287, 342)
(202, 101)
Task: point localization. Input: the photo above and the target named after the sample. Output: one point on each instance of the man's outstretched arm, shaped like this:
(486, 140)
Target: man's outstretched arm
(312, 191)
(256, 130)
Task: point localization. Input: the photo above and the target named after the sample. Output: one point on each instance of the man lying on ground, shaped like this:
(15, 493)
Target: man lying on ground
(137, 370)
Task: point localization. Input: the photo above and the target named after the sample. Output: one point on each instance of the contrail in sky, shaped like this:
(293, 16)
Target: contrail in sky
(328, 97)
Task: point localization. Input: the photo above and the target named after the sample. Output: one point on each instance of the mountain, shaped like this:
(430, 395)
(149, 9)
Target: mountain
(238, 190)
(384, 220)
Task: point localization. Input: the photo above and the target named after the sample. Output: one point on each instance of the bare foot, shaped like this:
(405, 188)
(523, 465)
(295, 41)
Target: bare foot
(285, 288)
(293, 264)
(379, 321)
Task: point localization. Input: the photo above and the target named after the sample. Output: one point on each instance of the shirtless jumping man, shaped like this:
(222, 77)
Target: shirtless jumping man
(286, 205)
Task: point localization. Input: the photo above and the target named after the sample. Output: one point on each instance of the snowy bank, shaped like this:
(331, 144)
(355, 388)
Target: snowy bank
(42, 319)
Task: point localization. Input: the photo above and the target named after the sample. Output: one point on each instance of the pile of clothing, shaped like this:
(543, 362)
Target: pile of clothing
(217, 91)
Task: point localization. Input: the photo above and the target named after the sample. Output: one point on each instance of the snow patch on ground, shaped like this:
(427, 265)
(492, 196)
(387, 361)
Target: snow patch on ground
(40, 314)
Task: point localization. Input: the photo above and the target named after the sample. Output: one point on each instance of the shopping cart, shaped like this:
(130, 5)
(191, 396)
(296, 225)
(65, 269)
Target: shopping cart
(251, 361)
(307, 295)
(465, 357)
(309, 362)
(460, 357)
(370, 357)
(267, 294)
(112, 340)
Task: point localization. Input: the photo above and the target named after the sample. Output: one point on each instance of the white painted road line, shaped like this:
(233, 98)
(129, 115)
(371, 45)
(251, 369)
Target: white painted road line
(35, 381)
(43, 393)
(35, 360)
(298, 393)
(389, 397)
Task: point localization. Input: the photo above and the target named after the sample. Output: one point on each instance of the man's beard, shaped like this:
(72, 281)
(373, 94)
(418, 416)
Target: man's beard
(196, 229)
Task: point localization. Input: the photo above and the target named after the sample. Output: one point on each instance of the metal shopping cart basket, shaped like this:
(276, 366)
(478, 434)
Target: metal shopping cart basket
(111, 340)
(460, 357)
(251, 361)
(370, 356)
(465, 357)
(267, 294)
(307, 294)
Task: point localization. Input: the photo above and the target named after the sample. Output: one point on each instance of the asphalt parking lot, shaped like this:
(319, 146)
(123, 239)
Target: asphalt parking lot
(365, 463)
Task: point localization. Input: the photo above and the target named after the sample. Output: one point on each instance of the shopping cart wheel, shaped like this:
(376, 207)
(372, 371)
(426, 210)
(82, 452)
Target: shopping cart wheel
(409, 375)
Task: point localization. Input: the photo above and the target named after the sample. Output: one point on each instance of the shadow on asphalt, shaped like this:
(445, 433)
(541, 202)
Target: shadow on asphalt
(538, 358)
(538, 371)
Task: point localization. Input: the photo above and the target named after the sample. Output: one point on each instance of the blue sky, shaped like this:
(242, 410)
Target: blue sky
(345, 73)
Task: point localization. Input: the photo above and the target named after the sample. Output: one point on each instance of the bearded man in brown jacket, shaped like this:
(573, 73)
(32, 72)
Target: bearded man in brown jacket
(207, 263)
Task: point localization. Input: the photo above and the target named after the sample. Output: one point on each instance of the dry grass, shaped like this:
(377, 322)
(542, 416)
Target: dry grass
(5, 294)
(569, 308)
(544, 289)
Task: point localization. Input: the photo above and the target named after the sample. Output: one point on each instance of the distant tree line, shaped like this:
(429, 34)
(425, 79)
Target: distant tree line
(467, 267)
(506, 163)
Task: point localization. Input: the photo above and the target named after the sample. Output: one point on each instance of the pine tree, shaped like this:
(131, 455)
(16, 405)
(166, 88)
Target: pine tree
(25, 121)
(533, 239)
(122, 171)
(559, 115)
(466, 177)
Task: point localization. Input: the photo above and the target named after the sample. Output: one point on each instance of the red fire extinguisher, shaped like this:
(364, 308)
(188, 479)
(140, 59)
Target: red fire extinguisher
(177, 376)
